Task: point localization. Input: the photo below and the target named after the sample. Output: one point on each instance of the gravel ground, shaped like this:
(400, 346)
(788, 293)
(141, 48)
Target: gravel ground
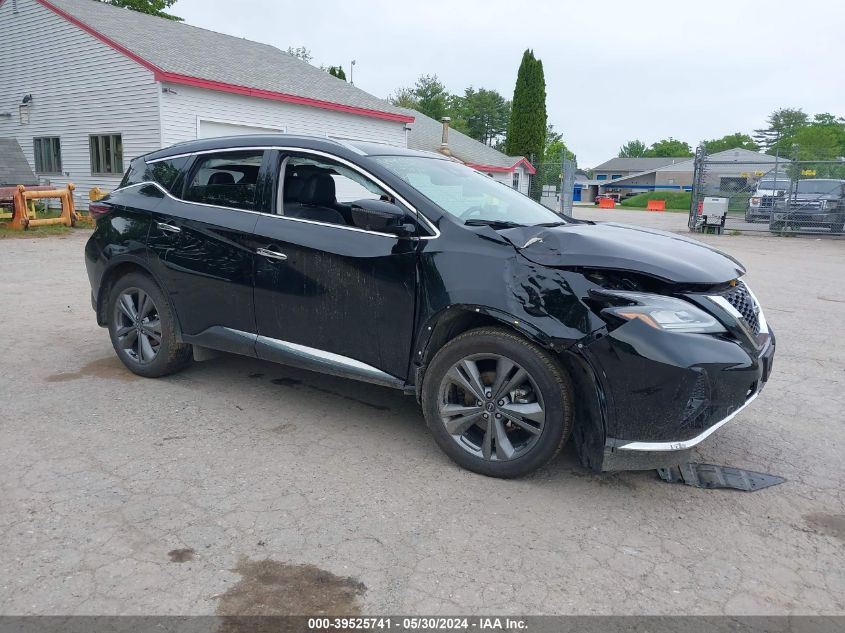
(239, 486)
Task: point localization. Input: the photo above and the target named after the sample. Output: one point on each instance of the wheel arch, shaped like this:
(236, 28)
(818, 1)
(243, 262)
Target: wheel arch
(456, 319)
(119, 269)
(589, 394)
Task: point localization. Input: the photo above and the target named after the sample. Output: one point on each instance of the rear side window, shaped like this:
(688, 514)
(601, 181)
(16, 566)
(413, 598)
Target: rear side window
(227, 179)
(164, 172)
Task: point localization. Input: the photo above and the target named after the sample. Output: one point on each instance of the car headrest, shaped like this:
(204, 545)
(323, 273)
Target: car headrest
(318, 190)
(221, 178)
(293, 189)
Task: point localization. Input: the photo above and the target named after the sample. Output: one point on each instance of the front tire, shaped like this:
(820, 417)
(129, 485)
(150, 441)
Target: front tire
(142, 328)
(496, 403)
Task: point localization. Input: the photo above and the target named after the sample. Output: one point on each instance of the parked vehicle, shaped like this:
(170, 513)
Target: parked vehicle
(608, 196)
(815, 202)
(763, 198)
(513, 327)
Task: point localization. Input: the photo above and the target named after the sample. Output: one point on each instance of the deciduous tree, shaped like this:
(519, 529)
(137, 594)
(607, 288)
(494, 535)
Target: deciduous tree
(737, 140)
(669, 147)
(150, 7)
(632, 149)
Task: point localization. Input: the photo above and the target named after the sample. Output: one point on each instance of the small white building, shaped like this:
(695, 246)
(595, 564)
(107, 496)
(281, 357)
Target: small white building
(87, 86)
(428, 134)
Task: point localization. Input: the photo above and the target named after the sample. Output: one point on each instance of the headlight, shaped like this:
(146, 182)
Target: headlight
(755, 202)
(664, 313)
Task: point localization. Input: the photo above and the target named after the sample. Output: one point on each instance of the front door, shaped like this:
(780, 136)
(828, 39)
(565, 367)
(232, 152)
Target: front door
(201, 244)
(325, 290)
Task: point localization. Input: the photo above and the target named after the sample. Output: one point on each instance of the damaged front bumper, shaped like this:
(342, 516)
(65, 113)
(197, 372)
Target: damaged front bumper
(664, 393)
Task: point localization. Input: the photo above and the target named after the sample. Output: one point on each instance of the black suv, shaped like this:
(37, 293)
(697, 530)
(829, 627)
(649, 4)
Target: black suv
(514, 327)
(815, 202)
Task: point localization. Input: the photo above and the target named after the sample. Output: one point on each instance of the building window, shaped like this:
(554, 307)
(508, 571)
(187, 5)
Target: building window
(601, 177)
(48, 155)
(106, 153)
(516, 180)
(615, 176)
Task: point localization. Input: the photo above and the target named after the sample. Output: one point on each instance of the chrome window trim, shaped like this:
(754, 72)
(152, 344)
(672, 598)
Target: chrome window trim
(419, 216)
(685, 444)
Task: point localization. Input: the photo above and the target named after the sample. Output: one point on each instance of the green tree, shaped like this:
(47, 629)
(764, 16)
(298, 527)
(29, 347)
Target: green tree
(404, 98)
(150, 7)
(549, 169)
(337, 71)
(300, 52)
(526, 134)
(780, 126)
(632, 149)
(432, 96)
(669, 147)
(737, 140)
(819, 141)
(481, 114)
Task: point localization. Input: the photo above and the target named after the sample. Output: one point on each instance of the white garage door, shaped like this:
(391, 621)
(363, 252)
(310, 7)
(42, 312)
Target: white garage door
(212, 129)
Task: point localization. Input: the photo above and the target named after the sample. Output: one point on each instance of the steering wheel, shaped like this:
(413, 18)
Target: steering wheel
(472, 212)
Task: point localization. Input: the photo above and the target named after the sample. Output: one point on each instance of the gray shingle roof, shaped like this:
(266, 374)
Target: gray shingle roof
(182, 49)
(426, 134)
(14, 170)
(638, 164)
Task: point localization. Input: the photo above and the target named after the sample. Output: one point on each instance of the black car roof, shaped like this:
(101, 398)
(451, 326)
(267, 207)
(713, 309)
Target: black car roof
(342, 148)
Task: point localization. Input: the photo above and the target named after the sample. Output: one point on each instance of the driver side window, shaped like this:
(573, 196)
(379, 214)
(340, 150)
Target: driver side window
(321, 190)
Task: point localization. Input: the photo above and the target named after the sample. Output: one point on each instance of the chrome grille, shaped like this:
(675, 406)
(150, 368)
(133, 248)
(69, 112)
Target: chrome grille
(741, 299)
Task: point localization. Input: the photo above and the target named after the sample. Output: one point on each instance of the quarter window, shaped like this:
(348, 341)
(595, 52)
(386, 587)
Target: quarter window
(106, 153)
(227, 179)
(48, 155)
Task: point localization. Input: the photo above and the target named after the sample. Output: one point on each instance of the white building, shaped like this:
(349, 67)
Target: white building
(87, 86)
(427, 134)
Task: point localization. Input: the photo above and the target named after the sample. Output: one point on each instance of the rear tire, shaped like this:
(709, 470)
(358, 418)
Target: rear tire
(142, 328)
(521, 389)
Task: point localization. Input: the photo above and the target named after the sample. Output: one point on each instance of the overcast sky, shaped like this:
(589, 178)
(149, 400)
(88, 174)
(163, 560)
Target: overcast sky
(615, 70)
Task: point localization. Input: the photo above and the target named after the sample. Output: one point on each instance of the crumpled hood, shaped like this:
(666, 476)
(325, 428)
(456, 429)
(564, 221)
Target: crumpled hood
(610, 245)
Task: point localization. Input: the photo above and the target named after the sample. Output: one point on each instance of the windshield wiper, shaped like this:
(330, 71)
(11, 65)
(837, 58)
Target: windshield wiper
(495, 224)
(547, 224)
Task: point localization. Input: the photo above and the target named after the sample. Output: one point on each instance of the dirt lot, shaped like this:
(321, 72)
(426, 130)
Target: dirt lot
(243, 487)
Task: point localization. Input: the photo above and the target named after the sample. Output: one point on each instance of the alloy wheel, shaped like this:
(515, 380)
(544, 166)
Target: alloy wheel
(137, 325)
(491, 407)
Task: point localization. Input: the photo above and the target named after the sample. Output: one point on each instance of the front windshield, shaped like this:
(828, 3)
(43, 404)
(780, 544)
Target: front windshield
(819, 186)
(466, 194)
(772, 185)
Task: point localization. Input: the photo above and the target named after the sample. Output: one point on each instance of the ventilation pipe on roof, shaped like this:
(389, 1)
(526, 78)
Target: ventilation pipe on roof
(444, 141)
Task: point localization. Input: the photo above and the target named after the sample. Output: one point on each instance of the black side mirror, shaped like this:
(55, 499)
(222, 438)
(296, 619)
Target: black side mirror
(382, 216)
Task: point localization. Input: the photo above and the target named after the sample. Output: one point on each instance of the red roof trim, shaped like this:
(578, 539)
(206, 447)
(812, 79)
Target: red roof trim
(208, 84)
(161, 75)
(493, 168)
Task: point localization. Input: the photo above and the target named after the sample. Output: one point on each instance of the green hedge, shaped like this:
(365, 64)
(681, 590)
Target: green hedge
(677, 200)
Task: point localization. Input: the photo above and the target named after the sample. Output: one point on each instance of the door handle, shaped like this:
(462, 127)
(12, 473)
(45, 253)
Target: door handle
(266, 252)
(168, 228)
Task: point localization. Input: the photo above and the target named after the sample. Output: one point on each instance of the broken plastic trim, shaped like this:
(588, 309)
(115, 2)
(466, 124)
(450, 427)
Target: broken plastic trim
(712, 476)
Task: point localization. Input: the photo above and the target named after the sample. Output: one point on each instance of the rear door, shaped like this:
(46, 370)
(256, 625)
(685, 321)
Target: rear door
(323, 287)
(201, 242)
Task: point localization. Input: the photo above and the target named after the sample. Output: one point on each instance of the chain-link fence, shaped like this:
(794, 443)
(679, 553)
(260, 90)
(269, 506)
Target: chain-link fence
(771, 193)
(553, 185)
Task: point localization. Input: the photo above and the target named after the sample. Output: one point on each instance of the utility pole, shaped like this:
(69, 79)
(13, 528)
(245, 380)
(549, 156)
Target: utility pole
(351, 69)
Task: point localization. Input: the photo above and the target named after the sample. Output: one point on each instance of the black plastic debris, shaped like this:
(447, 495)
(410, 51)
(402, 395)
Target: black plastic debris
(712, 476)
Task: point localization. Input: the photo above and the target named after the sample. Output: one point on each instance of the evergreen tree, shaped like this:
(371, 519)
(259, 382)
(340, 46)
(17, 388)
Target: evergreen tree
(337, 71)
(526, 135)
(781, 125)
